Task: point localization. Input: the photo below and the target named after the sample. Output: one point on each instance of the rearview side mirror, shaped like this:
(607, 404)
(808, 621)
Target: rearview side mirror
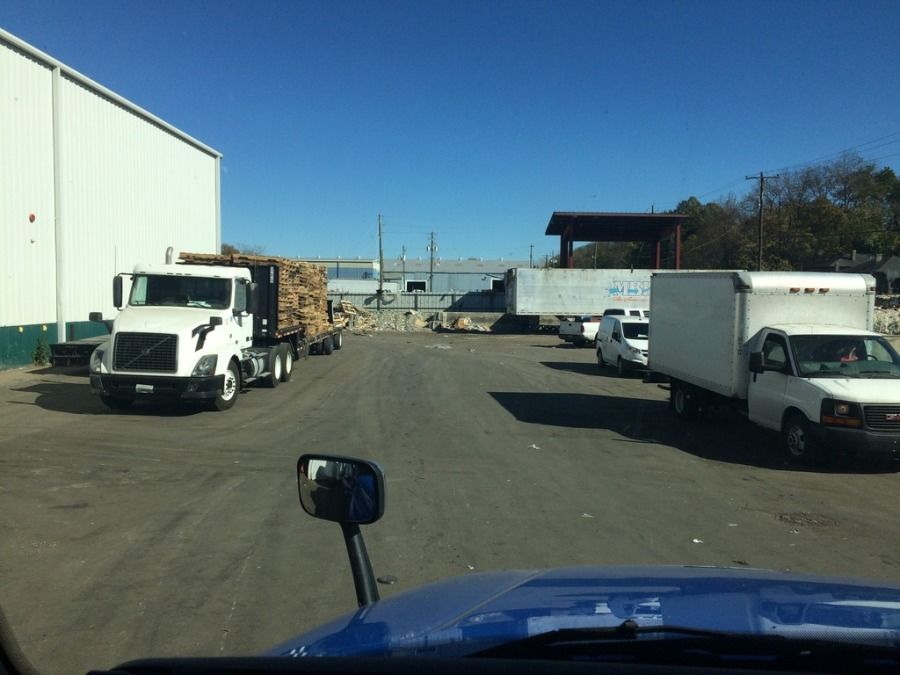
(253, 298)
(341, 489)
(756, 362)
(117, 292)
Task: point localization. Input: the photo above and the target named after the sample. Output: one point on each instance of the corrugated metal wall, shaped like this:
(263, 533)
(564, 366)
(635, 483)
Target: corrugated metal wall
(431, 302)
(27, 249)
(131, 189)
(109, 185)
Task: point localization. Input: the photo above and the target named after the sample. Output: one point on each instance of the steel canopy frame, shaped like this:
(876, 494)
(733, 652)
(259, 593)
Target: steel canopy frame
(644, 227)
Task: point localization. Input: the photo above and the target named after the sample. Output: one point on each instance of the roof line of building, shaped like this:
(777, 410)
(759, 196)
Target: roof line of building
(72, 74)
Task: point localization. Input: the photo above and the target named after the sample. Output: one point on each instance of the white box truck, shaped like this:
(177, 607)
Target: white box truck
(576, 292)
(794, 351)
(202, 332)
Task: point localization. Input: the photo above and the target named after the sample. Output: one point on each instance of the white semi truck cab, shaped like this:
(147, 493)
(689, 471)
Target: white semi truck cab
(198, 332)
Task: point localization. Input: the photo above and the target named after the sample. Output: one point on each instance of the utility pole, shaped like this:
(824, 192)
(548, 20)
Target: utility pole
(380, 264)
(530, 255)
(762, 181)
(595, 254)
(403, 268)
(432, 247)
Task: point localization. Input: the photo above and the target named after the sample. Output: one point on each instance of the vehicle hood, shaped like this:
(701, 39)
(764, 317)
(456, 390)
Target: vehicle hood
(164, 319)
(858, 390)
(463, 615)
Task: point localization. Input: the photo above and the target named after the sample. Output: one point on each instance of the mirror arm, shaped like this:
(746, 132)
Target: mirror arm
(363, 576)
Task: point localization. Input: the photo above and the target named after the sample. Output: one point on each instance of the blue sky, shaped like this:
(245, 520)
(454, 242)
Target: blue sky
(477, 120)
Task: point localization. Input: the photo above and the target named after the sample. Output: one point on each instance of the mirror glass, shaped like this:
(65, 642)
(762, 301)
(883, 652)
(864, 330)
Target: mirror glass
(340, 489)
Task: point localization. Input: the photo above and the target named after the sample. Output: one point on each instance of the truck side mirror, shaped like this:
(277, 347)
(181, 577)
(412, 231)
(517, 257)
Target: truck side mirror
(756, 362)
(215, 321)
(117, 292)
(98, 318)
(350, 492)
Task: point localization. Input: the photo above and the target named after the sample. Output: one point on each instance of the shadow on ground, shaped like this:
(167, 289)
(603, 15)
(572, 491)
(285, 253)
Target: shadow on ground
(77, 399)
(590, 368)
(723, 437)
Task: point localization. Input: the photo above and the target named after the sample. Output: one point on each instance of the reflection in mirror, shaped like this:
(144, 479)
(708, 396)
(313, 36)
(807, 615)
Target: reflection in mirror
(340, 489)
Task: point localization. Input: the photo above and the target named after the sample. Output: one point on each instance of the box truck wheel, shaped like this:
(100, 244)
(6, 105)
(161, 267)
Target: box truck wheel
(286, 356)
(114, 403)
(799, 443)
(231, 385)
(338, 340)
(684, 401)
(327, 345)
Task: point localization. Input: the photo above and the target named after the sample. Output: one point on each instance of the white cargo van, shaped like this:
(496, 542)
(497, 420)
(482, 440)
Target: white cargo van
(622, 341)
(794, 351)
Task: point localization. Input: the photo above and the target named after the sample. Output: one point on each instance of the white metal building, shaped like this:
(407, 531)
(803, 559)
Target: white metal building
(90, 184)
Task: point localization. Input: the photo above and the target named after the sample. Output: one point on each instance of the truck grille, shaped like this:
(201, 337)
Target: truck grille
(146, 351)
(882, 417)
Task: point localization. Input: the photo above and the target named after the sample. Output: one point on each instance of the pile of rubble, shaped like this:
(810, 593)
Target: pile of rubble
(887, 320)
(464, 323)
(359, 320)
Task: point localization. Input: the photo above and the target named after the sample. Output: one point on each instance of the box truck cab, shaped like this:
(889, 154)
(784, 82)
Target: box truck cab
(794, 351)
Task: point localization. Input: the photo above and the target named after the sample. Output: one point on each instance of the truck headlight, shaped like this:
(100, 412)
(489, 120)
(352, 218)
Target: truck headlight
(206, 366)
(841, 413)
(635, 351)
(97, 360)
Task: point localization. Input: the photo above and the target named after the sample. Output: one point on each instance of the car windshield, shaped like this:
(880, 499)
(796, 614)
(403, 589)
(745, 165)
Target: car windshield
(165, 290)
(237, 231)
(845, 356)
(636, 331)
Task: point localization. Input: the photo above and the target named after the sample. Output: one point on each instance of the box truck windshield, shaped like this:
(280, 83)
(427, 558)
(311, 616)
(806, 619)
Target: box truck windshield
(180, 291)
(845, 356)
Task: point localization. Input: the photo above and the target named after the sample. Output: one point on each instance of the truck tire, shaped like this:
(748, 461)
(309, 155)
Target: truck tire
(684, 401)
(286, 355)
(327, 345)
(231, 386)
(800, 446)
(621, 368)
(600, 361)
(272, 379)
(114, 403)
(338, 339)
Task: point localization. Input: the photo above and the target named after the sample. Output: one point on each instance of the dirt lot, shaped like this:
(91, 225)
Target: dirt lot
(168, 531)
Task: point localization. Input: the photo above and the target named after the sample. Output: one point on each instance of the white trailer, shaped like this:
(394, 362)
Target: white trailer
(794, 351)
(575, 292)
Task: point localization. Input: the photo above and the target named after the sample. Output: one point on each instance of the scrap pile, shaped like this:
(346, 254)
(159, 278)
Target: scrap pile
(302, 287)
(351, 316)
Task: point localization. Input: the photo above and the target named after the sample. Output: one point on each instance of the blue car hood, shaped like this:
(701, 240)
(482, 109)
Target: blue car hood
(463, 615)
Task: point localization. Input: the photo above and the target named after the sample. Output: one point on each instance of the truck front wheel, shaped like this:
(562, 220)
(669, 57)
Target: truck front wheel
(799, 444)
(230, 388)
(684, 401)
(327, 345)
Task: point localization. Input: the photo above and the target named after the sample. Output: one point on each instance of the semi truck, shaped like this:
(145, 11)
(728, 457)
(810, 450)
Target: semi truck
(793, 351)
(204, 329)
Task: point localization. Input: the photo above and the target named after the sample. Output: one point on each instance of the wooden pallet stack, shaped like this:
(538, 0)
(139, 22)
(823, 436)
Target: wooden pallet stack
(302, 287)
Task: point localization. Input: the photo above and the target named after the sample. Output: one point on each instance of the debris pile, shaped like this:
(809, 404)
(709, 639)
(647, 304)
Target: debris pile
(466, 325)
(887, 320)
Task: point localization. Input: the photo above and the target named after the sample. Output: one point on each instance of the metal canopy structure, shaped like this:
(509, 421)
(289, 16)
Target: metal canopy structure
(644, 227)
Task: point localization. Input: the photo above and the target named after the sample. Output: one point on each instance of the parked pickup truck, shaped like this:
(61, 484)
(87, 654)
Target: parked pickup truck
(793, 351)
(579, 331)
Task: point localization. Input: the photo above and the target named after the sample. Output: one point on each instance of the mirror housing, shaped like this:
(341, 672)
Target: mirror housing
(756, 362)
(117, 292)
(341, 489)
(215, 321)
(98, 318)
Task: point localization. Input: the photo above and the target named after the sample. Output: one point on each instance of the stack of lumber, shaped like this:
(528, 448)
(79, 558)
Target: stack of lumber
(302, 287)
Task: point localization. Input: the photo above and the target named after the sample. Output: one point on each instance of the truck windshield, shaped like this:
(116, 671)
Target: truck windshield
(180, 291)
(845, 355)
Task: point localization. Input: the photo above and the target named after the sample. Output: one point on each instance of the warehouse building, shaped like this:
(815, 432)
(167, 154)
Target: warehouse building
(461, 275)
(90, 185)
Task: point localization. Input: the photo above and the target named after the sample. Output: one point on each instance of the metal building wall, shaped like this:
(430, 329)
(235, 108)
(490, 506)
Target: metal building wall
(109, 185)
(131, 190)
(27, 249)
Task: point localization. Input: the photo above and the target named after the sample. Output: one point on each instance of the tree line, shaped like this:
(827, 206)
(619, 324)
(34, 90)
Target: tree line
(812, 216)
